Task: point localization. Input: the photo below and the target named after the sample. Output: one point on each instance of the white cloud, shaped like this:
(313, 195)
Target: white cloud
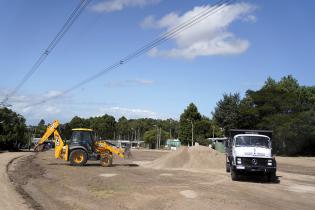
(65, 108)
(53, 93)
(209, 37)
(129, 83)
(250, 18)
(128, 112)
(140, 81)
(22, 104)
(52, 109)
(118, 5)
(148, 22)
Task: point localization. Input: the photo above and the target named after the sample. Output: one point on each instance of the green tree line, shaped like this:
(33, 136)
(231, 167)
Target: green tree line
(107, 127)
(148, 129)
(283, 106)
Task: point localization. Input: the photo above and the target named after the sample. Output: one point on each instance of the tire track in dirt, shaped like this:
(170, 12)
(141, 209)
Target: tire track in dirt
(10, 198)
(20, 170)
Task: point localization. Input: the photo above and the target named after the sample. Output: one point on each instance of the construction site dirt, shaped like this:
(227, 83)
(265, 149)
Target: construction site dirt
(146, 182)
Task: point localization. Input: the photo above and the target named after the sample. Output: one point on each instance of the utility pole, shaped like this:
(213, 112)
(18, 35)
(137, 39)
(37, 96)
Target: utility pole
(4, 105)
(212, 131)
(160, 138)
(192, 133)
(157, 136)
(170, 133)
(170, 128)
(29, 137)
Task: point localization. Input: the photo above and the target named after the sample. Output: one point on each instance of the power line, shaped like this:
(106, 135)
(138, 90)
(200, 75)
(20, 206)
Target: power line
(69, 22)
(162, 38)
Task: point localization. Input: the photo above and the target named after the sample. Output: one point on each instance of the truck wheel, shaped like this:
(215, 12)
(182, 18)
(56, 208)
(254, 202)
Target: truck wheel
(78, 157)
(272, 177)
(106, 159)
(234, 175)
(227, 166)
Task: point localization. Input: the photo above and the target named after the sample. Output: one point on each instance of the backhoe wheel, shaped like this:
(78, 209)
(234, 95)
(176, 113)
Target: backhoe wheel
(78, 157)
(106, 159)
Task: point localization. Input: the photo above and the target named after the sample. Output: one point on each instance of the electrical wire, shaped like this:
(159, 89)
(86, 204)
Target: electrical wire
(162, 38)
(69, 22)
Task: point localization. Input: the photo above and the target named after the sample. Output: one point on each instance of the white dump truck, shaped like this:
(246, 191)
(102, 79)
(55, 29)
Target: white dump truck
(249, 152)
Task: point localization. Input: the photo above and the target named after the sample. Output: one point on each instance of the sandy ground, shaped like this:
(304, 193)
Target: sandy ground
(299, 165)
(53, 184)
(10, 198)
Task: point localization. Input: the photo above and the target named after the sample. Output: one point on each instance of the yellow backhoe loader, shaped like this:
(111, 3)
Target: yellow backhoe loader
(82, 146)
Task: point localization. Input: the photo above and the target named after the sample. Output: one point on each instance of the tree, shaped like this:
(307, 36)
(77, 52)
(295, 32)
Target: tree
(248, 115)
(226, 113)
(188, 118)
(150, 137)
(41, 128)
(203, 130)
(66, 131)
(78, 122)
(104, 126)
(13, 131)
(123, 128)
(284, 107)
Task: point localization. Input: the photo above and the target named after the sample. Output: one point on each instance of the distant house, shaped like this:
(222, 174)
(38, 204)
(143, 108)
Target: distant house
(172, 144)
(218, 143)
(35, 140)
(127, 143)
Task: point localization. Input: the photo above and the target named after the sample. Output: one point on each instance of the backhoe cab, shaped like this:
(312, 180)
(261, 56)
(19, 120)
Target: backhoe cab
(81, 147)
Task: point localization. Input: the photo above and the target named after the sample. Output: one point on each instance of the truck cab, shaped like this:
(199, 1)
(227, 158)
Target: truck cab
(249, 152)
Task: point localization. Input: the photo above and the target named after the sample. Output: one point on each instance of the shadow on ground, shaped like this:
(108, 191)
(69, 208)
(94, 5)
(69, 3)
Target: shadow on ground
(95, 165)
(259, 179)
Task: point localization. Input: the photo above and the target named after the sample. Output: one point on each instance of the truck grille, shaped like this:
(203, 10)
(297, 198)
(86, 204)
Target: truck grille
(250, 161)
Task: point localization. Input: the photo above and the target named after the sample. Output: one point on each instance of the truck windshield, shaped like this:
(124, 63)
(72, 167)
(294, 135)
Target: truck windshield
(252, 141)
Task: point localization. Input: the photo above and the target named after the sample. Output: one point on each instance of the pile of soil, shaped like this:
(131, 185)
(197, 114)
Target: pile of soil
(197, 157)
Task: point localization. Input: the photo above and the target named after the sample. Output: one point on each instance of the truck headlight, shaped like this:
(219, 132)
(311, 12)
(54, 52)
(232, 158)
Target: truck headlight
(238, 161)
(269, 163)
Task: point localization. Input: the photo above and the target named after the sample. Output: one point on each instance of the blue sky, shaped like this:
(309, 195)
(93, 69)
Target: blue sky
(232, 51)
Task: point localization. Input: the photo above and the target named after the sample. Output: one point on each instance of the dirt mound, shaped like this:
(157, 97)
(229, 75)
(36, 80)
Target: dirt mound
(197, 157)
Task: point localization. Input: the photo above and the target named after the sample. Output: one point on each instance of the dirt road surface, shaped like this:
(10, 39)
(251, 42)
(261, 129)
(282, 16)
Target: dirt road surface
(54, 184)
(9, 197)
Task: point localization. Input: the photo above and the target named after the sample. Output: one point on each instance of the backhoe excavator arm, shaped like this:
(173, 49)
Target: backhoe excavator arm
(49, 131)
(59, 143)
